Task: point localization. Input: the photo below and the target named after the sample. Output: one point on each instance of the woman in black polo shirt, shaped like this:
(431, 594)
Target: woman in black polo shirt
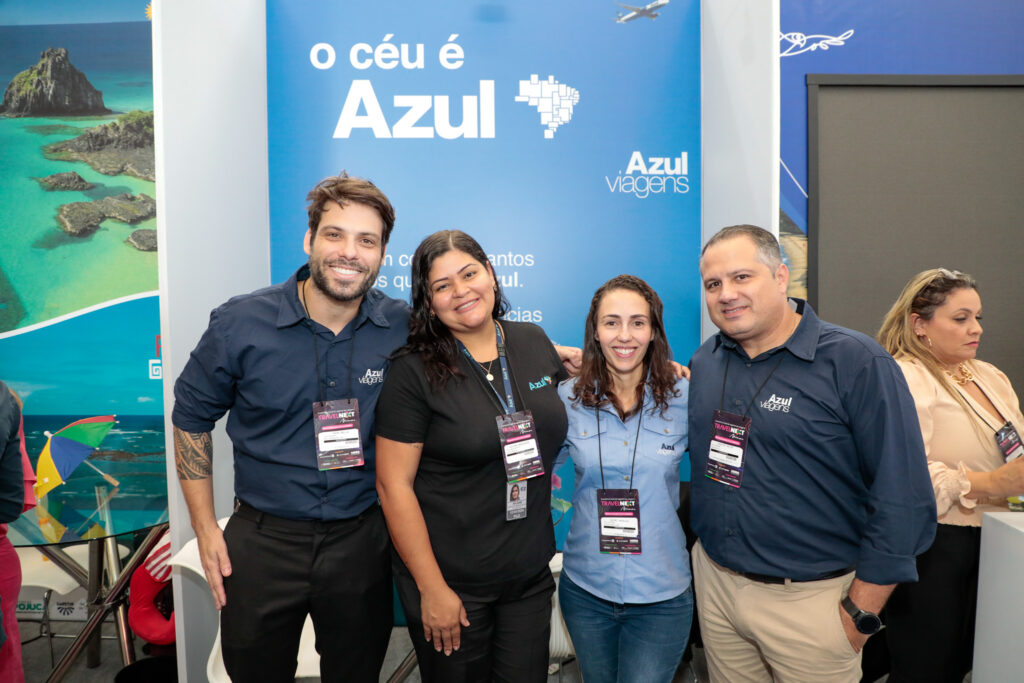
(468, 410)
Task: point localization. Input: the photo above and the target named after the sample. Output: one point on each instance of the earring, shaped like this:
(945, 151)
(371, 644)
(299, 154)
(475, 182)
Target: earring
(926, 339)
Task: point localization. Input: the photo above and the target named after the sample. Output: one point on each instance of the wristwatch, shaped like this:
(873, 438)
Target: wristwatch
(867, 623)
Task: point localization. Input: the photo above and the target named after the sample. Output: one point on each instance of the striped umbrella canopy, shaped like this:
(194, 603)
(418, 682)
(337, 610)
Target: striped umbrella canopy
(67, 449)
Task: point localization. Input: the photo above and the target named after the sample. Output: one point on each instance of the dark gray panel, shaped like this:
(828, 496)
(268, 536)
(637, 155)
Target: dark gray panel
(911, 177)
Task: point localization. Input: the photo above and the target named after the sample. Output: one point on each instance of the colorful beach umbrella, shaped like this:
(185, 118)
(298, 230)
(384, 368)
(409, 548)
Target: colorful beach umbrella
(67, 449)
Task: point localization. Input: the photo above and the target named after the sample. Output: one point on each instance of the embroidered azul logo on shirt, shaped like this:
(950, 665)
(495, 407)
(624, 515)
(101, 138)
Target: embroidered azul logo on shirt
(540, 384)
(372, 376)
(777, 403)
(667, 449)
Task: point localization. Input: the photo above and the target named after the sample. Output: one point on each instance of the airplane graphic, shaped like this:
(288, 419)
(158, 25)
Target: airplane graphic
(637, 12)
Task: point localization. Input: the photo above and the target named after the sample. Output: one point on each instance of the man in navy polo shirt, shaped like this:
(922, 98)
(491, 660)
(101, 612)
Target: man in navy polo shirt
(307, 535)
(810, 494)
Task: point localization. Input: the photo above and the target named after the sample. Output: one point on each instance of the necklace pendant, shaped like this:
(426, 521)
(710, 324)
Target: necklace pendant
(490, 377)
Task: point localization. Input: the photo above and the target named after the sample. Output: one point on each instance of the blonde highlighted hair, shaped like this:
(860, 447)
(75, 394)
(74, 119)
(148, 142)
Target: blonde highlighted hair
(925, 292)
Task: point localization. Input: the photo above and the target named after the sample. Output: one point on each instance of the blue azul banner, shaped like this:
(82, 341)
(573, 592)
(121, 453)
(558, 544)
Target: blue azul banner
(564, 137)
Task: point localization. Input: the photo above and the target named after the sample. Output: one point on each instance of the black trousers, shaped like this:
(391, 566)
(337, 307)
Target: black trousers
(337, 572)
(506, 640)
(930, 624)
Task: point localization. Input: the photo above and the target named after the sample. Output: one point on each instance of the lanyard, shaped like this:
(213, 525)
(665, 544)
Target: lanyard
(509, 403)
(977, 412)
(725, 376)
(316, 353)
(600, 458)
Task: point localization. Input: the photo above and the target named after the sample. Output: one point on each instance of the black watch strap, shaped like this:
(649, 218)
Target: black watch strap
(866, 622)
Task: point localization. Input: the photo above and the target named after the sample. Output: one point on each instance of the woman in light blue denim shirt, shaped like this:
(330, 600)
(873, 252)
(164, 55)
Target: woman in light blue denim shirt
(625, 586)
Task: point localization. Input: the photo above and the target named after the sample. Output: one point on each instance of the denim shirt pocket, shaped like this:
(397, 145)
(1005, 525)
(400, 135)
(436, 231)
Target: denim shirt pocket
(663, 440)
(583, 437)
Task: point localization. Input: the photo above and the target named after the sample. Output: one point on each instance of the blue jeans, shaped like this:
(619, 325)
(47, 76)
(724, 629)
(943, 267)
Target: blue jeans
(626, 643)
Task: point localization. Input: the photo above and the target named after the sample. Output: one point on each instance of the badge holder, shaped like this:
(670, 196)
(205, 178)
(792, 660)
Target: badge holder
(618, 510)
(618, 515)
(729, 434)
(1008, 440)
(519, 449)
(515, 500)
(336, 424)
(517, 433)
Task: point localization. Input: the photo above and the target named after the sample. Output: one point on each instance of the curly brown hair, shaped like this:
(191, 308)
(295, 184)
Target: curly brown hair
(593, 387)
(428, 336)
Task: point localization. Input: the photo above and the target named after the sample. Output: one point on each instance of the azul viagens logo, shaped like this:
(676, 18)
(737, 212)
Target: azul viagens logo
(372, 376)
(777, 403)
(646, 175)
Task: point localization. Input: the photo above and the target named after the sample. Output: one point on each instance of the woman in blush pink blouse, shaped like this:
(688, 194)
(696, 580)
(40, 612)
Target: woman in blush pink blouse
(969, 418)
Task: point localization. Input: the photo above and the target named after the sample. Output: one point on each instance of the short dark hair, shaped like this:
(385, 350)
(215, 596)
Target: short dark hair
(768, 251)
(344, 189)
(594, 385)
(428, 336)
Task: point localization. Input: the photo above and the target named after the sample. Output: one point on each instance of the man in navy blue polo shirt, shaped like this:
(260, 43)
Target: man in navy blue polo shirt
(810, 495)
(298, 368)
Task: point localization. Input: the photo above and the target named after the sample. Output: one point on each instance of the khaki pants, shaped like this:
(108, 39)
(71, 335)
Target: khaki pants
(789, 633)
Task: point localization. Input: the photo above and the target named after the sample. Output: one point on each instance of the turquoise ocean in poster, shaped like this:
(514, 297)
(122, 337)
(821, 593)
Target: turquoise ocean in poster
(66, 362)
(45, 273)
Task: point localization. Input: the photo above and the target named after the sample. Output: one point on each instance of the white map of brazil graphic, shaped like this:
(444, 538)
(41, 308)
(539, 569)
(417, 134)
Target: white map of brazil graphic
(553, 100)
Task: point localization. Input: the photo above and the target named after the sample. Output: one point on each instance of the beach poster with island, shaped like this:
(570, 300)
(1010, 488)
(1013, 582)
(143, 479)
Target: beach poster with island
(79, 309)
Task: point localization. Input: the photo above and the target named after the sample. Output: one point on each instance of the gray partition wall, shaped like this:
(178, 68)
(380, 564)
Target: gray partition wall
(907, 173)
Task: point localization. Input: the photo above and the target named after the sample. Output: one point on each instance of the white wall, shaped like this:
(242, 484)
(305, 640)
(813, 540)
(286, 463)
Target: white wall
(739, 117)
(210, 99)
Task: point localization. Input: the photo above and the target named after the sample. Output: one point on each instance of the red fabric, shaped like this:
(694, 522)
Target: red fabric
(158, 563)
(26, 466)
(149, 579)
(10, 584)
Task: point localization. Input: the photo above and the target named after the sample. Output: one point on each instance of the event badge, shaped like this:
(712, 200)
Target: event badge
(519, 446)
(1009, 442)
(515, 500)
(1011, 448)
(618, 516)
(336, 424)
(729, 435)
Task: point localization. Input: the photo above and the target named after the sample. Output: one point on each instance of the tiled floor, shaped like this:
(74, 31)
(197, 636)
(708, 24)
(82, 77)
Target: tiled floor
(37, 659)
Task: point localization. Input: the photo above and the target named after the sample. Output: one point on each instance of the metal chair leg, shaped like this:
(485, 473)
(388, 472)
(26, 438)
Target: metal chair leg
(45, 625)
(404, 669)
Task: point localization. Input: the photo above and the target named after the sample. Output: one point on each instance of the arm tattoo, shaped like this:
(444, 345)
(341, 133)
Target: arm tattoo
(193, 454)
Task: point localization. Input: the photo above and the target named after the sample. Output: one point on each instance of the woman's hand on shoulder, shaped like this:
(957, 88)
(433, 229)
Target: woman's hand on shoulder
(571, 357)
(443, 616)
(682, 372)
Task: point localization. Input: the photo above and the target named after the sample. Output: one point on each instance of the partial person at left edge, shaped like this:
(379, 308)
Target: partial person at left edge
(299, 365)
(15, 497)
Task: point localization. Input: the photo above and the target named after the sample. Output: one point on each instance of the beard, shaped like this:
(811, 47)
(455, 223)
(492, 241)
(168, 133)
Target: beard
(342, 292)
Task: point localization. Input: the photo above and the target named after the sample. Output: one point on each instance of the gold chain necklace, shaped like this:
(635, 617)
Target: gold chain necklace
(963, 375)
(490, 376)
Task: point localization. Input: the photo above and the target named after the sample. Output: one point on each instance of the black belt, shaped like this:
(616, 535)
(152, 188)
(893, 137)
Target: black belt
(246, 511)
(764, 578)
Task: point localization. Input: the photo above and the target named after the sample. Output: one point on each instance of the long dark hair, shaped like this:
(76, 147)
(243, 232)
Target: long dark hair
(594, 385)
(428, 336)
